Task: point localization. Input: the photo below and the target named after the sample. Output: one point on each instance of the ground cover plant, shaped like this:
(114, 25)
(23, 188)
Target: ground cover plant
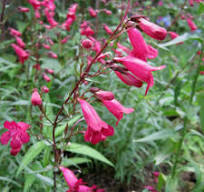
(101, 95)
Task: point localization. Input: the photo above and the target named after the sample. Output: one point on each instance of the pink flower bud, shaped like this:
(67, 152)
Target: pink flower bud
(87, 31)
(50, 71)
(107, 12)
(86, 43)
(191, 24)
(20, 42)
(63, 41)
(35, 98)
(52, 55)
(46, 46)
(152, 29)
(107, 29)
(14, 32)
(46, 78)
(156, 173)
(92, 12)
(23, 9)
(104, 95)
(44, 89)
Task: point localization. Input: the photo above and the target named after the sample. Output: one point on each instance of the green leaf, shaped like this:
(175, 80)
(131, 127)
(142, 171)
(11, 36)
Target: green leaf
(201, 8)
(88, 151)
(181, 38)
(9, 180)
(33, 151)
(161, 182)
(29, 180)
(156, 136)
(60, 129)
(200, 99)
(74, 161)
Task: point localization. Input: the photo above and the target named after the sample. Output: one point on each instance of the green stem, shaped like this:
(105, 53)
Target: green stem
(179, 148)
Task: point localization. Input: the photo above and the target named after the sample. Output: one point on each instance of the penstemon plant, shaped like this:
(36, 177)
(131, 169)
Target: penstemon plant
(44, 44)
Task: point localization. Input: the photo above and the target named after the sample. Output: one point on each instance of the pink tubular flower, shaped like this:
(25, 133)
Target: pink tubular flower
(97, 129)
(35, 3)
(86, 43)
(44, 89)
(201, 72)
(123, 48)
(92, 12)
(18, 135)
(140, 69)
(152, 29)
(191, 24)
(140, 49)
(35, 98)
(129, 79)
(116, 109)
(14, 32)
(77, 185)
(107, 29)
(22, 54)
(23, 9)
(150, 188)
(20, 42)
(50, 71)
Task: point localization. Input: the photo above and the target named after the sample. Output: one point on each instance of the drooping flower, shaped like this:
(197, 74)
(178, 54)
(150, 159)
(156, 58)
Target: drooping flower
(153, 30)
(63, 41)
(191, 2)
(46, 46)
(116, 108)
(35, 98)
(140, 69)
(97, 129)
(107, 12)
(75, 184)
(17, 132)
(22, 54)
(35, 3)
(92, 12)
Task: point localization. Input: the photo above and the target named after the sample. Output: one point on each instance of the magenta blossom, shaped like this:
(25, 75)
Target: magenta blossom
(22, 54)
(152, 53)
(75, 184)
(52, 55)
(87, 31)
(17, 132)
(46, 78)
(140, 69)
(116, 109)
(35, 98)
(97, 129)
(153, 30)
